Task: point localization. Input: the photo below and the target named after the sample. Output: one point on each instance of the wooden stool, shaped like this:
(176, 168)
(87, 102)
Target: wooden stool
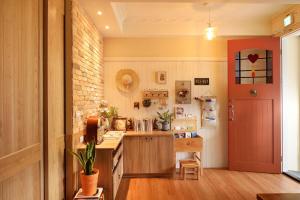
(196, 160)
(189, 165)
(185, 161)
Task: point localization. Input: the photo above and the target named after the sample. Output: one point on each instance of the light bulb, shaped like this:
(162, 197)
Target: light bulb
(210, 33)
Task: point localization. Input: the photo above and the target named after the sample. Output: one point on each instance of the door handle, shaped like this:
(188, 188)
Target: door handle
(253, 92)
(231, 110)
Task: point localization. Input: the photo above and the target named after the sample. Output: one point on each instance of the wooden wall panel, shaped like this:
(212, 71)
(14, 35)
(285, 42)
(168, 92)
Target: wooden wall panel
(24, 185)
(54, 131)
(23, 158)
(20, 99)
(19, 75)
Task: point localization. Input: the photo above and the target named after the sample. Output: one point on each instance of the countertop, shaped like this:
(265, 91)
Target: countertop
(106, 144)
(113, 143)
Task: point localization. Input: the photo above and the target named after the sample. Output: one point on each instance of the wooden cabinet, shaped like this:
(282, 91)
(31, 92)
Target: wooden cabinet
(117, 177)
(162, 157)
(148, 155)
(132, 163)
(110, 165)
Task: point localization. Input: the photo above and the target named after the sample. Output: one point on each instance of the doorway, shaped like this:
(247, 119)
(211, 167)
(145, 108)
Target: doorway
(254, 139)
(290, 104)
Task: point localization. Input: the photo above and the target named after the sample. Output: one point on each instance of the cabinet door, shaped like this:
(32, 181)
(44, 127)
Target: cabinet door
(144, 155)
(161, 154)
(131, 155)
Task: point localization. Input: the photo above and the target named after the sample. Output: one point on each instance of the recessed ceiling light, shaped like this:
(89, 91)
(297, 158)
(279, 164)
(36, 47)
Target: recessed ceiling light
(107, 27)
(99, 13)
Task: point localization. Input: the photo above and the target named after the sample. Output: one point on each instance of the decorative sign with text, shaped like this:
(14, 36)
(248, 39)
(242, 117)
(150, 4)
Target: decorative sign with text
(201, 81)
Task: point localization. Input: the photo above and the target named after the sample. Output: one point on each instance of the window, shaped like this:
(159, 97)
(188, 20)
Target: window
(254, 66)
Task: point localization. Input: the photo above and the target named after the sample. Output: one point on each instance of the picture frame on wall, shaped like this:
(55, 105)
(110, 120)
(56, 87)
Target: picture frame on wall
(119, 124)
(161, 77)
(179, 112)
(183, 92)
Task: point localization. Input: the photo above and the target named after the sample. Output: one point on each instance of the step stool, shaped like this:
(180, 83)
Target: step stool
(189, 165)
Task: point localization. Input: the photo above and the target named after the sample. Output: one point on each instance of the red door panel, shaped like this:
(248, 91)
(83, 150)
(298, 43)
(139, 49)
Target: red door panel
(254, 136)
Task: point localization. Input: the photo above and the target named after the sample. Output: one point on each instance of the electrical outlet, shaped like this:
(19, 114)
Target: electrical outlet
(81, 139)
(78, 114)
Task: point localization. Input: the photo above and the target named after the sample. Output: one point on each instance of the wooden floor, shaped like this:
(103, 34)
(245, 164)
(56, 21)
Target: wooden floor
(214, 184)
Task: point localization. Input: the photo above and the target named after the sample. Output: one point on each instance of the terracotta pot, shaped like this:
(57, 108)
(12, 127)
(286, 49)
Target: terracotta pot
(89, 182)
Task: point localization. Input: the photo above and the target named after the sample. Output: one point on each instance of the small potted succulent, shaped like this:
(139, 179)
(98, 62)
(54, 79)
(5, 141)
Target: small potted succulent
(165, 120)
(88, 174)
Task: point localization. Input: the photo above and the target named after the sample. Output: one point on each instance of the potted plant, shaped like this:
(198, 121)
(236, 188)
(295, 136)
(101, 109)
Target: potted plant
(107, 113)
(88, 174)
(165, 120)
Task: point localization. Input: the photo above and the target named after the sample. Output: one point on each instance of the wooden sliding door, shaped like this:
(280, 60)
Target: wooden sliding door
(20, 99)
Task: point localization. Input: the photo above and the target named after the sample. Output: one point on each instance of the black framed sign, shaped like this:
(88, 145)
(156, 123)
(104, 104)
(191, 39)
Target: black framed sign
(201, 81)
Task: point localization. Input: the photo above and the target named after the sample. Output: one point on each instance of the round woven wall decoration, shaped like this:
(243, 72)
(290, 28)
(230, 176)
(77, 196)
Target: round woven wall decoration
(127, 80)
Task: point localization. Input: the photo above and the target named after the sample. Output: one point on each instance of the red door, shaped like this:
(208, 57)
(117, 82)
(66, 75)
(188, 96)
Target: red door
(254, 115)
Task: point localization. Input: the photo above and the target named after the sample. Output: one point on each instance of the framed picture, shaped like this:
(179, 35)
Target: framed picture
(161, 77)
(119, 124)
(183, 92)
(179, 112)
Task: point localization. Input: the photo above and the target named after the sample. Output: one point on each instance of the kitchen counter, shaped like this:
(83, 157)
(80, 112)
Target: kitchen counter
(112, 142)
(148, 133)
(106, 144)
(134, 154)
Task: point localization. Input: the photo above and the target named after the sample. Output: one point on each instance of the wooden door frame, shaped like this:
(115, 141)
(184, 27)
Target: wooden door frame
(45, 97)
(48, 144)
(295, 32)
(41, 91)
(69, 165)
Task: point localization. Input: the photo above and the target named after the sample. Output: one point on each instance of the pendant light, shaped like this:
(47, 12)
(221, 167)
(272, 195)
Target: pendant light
(210, 31)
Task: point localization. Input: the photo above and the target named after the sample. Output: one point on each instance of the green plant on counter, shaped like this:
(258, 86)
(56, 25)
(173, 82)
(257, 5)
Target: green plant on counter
(165, 116)
(110, 112)
(86, 158)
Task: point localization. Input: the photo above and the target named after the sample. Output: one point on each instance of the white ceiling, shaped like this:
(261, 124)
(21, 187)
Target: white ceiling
(146, 18)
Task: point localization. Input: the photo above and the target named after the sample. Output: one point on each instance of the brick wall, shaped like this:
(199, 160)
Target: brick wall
(88, 69)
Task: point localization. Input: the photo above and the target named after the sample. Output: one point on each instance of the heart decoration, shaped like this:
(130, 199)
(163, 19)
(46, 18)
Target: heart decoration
(253, 57)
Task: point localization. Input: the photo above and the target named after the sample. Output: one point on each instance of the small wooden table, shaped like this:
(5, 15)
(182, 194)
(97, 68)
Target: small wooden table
(191, 145)
(278, 196)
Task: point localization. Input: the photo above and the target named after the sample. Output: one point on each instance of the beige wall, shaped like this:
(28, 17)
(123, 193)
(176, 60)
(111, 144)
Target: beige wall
(87, 67)
(166, 47)
(215, 134)
(183, 58)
